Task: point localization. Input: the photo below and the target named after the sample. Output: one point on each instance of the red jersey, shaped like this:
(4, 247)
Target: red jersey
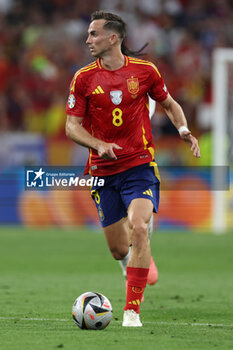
(114, 107)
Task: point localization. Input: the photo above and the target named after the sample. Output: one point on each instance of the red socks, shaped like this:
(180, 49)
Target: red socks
(137, 279)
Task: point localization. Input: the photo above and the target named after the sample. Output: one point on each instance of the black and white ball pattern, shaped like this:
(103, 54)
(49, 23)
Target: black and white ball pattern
(92, 310)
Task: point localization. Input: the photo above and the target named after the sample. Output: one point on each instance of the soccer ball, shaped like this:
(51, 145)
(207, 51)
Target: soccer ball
(92, 310)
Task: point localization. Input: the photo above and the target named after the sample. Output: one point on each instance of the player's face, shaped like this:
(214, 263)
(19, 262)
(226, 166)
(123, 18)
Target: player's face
(98, 38)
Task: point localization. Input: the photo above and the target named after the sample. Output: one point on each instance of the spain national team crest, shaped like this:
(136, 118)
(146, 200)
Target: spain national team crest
(101, 213)
(133, 85)
(116, 96)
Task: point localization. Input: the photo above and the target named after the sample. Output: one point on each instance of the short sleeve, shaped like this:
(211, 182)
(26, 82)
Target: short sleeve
(158, 90)
(76, 103)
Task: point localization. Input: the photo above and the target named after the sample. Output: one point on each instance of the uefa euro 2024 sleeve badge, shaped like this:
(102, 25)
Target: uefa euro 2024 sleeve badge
(71, 101)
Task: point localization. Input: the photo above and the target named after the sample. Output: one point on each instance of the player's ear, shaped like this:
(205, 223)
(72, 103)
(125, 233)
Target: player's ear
(113, 38)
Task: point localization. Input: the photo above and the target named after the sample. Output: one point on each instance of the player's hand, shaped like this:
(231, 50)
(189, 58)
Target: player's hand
(106, 150)
(192, 141)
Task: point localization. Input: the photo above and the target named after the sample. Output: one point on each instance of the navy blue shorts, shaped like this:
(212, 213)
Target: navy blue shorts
(113, 199)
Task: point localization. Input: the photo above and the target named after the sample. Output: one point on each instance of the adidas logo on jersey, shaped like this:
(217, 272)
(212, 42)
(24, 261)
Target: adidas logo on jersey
(98, 90)
(148, 192)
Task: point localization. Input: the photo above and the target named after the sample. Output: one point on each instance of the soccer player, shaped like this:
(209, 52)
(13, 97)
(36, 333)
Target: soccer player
(107, 111)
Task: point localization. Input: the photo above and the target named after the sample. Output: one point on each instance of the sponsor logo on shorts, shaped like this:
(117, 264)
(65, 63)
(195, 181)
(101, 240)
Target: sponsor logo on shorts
(148, 192)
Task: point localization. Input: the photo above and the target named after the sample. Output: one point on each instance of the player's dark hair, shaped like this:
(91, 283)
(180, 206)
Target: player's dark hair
(116, 24)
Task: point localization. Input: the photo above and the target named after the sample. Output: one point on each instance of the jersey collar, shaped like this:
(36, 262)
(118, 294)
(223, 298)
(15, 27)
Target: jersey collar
(98, 61)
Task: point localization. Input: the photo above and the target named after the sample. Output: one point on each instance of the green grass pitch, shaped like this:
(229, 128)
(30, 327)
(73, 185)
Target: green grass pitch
(42, 271)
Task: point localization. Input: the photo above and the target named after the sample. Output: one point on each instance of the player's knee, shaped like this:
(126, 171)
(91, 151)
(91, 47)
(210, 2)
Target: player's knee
(139, 233)
(119, 253)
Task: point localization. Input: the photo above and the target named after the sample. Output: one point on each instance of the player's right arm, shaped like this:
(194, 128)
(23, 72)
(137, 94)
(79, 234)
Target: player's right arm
(76, 111)
(77, 133)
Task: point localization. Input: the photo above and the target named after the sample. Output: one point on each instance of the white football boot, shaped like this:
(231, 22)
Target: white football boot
(131, 319)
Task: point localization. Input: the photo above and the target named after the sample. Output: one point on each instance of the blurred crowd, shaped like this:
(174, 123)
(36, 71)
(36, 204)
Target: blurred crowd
(42, 44)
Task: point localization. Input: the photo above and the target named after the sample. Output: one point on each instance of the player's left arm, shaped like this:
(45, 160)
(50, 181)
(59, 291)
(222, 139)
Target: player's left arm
(177, 117)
